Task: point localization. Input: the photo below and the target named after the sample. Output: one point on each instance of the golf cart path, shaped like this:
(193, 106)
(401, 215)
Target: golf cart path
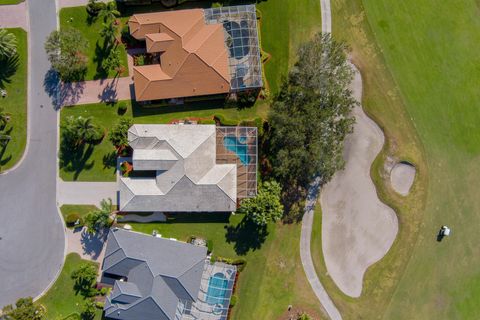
(307, 221)
(357, 228)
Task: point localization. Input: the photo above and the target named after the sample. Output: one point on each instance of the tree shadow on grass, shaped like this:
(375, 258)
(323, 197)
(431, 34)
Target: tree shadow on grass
(8, 67)
(246, 236)
(110, 160)
(75, 159)
(61, 93)
(101, 52)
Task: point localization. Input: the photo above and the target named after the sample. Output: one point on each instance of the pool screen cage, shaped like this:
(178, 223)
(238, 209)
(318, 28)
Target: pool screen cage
(213, 300)
(239, 145)
(241, 38)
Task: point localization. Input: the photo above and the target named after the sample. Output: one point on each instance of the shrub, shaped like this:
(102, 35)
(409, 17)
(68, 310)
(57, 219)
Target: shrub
(122, 108)
(233, 300)
(240, 264)
(71, 219)
(94, 8)
(99, 304)
(104, 291)
(224, 121)
(209, 246)
(217, 5)
(140, 60)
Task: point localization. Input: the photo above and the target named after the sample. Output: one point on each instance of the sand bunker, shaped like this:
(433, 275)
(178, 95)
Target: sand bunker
(357, 228)
(402, 176)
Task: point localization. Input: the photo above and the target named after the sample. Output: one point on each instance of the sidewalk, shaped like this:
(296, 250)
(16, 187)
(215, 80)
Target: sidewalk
(14, 16)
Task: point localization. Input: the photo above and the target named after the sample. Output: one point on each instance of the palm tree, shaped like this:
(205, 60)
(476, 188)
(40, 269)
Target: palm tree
(87, 131)
(110, 12)
(8, 44)
(109, 32)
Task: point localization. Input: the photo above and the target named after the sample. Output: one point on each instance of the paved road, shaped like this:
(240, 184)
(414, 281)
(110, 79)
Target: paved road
(32, 235)
(306, 234)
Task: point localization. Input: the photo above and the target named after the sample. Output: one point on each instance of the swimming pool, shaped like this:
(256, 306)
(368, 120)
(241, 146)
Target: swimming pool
(238, 146)
(217, 289)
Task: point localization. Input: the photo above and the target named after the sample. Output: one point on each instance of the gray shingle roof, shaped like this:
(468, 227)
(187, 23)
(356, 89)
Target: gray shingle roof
(187, 178)
(159, 273)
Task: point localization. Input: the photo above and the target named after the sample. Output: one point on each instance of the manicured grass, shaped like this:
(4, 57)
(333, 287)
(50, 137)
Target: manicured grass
(61, 300)
(13, 78)
(97, 163)
(273, 277)
(385, 104)
(79, 209)
(431, 48)
(77, 17)
(3, 2)
(284, 26)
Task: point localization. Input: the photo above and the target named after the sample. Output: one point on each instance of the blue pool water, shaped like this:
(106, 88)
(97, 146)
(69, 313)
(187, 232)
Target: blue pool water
(238, 146)
(217, 289)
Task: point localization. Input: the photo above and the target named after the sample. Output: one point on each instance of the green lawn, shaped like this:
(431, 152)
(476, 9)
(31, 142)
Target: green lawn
(273, 277)
(3, 2)
(77, 17)
(61, 300)
(79, 209)
(431, 48)
(13, 78)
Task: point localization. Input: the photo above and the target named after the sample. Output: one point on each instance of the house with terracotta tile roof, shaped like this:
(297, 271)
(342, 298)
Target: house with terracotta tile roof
(200, 52)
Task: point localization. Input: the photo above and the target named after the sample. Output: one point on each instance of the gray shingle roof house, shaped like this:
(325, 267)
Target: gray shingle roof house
(184, 174)
(162, 279)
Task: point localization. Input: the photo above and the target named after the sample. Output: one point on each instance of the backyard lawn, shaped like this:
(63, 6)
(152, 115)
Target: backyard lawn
(273, 277)
(77, 17)
(13, 78)
(61, 301)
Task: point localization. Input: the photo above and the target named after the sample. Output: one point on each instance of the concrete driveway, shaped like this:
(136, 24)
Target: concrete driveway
(32, 237)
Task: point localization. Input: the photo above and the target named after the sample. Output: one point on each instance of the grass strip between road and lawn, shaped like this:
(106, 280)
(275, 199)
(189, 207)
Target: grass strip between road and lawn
(13, 78)
(78, 18)
(61, 300)
(7, 2)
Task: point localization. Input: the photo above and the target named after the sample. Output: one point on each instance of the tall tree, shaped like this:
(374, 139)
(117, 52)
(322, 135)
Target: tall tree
(109, 32)
(109, 12)
(66, 53)
(8, 44)
(99, 219)
(311, 115)
(85, 278)
(118, 135)
(112, 61)
(79, 130)
(24, 309)
(266, 206)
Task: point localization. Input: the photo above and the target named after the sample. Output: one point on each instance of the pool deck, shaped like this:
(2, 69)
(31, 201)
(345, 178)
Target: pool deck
(202, 309)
